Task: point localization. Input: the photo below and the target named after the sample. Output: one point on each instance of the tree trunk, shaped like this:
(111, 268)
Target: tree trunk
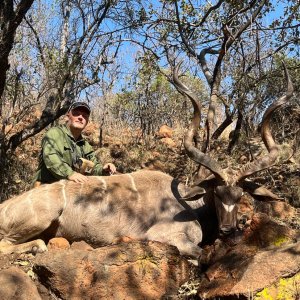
(9, 20)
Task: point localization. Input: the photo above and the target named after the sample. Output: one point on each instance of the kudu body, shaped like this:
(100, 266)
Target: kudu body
(145, 204)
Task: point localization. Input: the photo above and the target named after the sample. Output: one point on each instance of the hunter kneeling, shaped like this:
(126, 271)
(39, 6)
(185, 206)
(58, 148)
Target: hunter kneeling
(66, 154)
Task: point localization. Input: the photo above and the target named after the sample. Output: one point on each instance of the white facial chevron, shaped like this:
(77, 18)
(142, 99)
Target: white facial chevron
(228, 208)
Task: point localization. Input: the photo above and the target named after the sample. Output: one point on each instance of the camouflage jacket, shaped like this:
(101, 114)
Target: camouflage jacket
(60, 152)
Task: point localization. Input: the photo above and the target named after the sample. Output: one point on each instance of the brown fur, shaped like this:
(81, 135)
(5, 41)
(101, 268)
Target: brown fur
(142, 205)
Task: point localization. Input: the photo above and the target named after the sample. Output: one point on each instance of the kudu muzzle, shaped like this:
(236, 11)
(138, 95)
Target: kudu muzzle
(226, 200)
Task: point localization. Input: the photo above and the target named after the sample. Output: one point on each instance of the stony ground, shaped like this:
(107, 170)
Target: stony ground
(264, 243)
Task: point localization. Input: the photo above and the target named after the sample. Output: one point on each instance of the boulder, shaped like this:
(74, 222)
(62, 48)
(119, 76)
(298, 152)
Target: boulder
(265, 252)
(131, 270)
(165, 132)
(81, 245)
(15, 284)
(58, 244)
(246, 272)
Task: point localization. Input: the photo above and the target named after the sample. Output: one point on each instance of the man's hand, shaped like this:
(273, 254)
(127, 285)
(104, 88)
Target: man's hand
(109, 168)
(77, 177)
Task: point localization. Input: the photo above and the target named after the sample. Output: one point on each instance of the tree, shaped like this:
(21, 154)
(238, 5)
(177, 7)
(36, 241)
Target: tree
(68, 56)
(148, 100)
(11, 16)
(232, 43)
(82, 49)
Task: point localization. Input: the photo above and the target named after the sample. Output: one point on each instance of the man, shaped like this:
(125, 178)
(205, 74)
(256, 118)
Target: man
(65, 151)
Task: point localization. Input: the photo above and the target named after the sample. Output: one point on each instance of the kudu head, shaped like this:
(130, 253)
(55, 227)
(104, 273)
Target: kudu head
(229, 184)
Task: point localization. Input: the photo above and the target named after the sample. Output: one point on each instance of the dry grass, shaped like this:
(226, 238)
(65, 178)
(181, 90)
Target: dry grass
(129, 150)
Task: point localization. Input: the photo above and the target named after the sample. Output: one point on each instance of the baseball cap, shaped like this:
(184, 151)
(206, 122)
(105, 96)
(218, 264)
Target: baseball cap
(80, 104)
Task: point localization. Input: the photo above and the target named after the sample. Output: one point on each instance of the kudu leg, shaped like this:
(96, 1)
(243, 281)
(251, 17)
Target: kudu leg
(185, 239)
(25, 218)
(36, 246)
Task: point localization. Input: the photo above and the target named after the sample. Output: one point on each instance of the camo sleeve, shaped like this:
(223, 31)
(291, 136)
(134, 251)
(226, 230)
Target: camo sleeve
(54, 157)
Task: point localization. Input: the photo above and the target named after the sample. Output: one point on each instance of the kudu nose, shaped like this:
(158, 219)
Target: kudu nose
(226, 230)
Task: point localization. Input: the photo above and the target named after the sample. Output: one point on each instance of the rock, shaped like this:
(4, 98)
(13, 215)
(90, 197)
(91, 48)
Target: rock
(285, 288)
(15, 284)
(268, 252)
(82, 245)
(264, 232)
(244, 273)
(133, 270)
(165, 132)
(268, 266)
(58, 244)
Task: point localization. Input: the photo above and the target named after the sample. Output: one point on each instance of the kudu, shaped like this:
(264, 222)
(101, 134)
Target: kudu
(229, 184)
(145, 205)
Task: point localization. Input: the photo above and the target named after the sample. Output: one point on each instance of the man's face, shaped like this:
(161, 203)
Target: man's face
(78, 118)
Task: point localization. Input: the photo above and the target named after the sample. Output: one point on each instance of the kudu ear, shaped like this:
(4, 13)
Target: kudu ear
(258, 190)
(192, 192)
